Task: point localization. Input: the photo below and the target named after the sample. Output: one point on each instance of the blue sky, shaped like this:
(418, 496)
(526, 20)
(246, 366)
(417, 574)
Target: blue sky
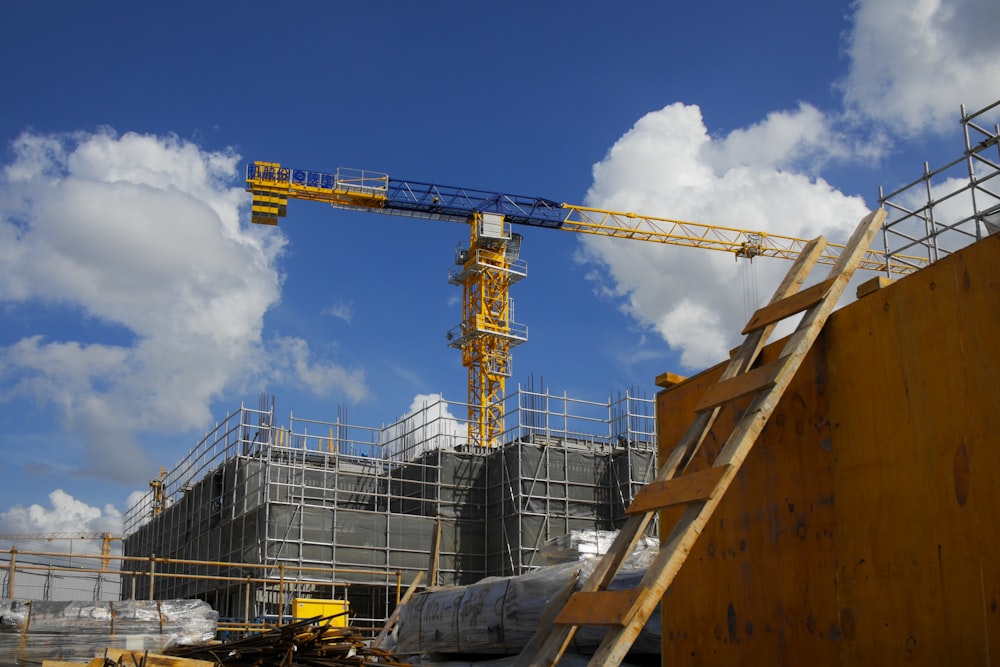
(138, 306)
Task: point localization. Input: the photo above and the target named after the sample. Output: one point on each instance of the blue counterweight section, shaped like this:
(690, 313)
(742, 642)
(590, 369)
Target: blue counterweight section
(443, 202)
(375, 191)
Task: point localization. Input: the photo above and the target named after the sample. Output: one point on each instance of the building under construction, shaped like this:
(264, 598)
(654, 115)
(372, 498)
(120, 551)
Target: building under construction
(859, 529)
(375, 502)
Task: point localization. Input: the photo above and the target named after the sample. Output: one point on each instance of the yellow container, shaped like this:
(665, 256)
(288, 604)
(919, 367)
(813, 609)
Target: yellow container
(303, 608)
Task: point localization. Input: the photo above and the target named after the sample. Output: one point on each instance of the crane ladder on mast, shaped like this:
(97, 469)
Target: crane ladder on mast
(625, 612)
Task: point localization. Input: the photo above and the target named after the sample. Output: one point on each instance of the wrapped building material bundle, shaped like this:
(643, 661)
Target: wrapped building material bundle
(31, 631)
(499, 615)
(579, 544)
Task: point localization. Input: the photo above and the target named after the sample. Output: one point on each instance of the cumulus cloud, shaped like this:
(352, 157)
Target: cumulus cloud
(342, 310)
(913, 62)
(293, 360)
(65, 514)
(143, 236)
(426, 426)
(669, 165)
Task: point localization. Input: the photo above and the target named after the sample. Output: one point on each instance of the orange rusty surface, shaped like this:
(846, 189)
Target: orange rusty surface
(864, 527)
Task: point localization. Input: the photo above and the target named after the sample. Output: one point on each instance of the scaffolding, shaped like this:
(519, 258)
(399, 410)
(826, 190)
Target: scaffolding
(377, 502)
(952, 206)
(55, 575)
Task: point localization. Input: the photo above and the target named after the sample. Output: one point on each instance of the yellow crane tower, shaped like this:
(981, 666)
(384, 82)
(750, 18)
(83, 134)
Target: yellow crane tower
(490, 265)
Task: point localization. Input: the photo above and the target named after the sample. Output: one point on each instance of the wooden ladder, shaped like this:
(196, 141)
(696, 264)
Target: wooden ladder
(625, 612)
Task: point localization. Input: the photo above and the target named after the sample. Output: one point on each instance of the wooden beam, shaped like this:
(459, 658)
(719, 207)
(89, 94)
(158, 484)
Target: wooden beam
(796, 303)
(600, 607)
(680, 490)
(741, 385)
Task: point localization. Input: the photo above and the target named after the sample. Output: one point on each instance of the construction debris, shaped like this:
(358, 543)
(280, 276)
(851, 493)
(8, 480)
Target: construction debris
(309, 643)
(114, 657)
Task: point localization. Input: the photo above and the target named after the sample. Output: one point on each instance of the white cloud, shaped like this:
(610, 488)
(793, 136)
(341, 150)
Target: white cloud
(65, 514)
(784, 139)
(426, 426)
(294, 363)
(141, 234)
(668, 165)
(913, 62)
(342, 310)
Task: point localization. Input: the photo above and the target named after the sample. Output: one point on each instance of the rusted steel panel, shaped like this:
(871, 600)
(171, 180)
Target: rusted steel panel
(864, 527)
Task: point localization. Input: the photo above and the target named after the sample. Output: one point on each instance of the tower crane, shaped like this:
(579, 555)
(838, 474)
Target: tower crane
(490, 264)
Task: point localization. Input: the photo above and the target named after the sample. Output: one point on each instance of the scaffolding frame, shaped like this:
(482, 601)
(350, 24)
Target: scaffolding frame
(380, 500)
(950, 207)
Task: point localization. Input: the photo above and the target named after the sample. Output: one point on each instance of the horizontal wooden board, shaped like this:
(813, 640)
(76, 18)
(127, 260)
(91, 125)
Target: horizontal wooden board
(599, 608)
(686, 488)
(741, 385)
(796, 303)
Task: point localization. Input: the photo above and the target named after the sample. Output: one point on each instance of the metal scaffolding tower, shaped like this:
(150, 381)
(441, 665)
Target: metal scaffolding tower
(952, 206)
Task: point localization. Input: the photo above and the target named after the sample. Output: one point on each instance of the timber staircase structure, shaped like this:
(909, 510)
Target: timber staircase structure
(625, 612)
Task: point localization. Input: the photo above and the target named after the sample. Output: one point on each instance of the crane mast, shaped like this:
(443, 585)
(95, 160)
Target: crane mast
(490, 265)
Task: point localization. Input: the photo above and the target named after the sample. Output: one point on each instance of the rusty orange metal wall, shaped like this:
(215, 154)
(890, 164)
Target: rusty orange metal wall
(864, 527)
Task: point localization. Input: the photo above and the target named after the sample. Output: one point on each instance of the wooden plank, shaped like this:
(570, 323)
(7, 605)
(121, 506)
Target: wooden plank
(687, 488)
(872, 286)
(600, 607)
(667, 380)
(742, 385)
(796, 303)
(63, 663)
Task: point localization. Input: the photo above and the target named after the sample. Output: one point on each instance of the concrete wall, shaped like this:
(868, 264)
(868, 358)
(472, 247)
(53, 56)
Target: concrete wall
(864, 527)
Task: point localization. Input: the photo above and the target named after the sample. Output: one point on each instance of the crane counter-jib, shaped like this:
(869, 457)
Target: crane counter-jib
(272, 186)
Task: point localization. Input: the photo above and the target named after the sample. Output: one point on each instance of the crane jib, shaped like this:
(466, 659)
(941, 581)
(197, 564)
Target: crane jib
(375, 190)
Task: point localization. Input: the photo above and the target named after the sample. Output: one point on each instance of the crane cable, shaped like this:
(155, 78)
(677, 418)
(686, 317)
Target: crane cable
(748, 278)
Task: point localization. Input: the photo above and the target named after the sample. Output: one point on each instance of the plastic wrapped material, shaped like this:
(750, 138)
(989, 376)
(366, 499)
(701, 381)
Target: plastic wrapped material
(575, 545)
(499, 615)
(32, 631)
(579, 544)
